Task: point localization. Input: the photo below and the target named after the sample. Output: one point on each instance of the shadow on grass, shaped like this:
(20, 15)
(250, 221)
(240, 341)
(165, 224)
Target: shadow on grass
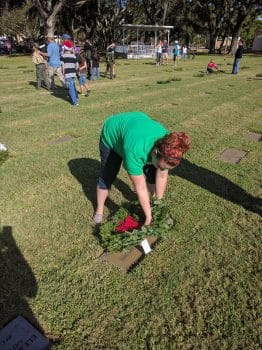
(104, 75)
(217, 184)
(33, 83)
(17, 281)
(256, 78)
(86, 171)
(62, 93)
(150, 63)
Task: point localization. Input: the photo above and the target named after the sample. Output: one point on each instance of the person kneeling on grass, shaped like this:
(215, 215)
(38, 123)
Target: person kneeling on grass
(212, 67)
(148, 151)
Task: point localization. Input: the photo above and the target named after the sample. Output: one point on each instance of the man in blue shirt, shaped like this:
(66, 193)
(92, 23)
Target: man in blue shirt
(54, 63)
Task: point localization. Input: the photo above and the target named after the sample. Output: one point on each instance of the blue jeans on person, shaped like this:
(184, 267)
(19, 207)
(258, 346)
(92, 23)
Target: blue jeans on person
(72, 90)
(110, 166)
(95, 72)
(184, 56)
(236, 66)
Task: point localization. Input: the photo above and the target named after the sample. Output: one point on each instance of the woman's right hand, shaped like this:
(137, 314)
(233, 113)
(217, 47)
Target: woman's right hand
(148, 221)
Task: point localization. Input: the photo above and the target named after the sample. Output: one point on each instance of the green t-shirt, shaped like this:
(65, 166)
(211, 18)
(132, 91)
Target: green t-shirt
(132, 135)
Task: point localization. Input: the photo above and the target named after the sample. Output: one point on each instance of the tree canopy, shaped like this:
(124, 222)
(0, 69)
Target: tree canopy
(102, 19)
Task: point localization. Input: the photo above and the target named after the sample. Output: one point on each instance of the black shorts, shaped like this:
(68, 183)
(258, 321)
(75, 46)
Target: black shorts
(150, 173)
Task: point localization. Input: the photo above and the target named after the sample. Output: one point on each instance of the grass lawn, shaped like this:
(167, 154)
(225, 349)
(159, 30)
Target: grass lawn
(199, 289)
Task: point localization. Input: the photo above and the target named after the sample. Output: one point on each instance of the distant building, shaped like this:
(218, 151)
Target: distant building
(257, 43)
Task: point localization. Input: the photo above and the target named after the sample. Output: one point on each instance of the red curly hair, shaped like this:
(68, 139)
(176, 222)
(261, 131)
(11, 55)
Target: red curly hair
(172, 147)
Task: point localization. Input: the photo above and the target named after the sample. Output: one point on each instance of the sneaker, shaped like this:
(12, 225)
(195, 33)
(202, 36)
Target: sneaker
(87, 94)
(98, 219)
(76, 104)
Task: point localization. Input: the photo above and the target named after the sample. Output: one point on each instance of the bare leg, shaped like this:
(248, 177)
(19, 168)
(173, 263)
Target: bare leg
(101, 196)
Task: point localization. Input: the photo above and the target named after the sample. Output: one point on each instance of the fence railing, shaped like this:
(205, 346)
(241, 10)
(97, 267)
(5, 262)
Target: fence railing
(138, 51)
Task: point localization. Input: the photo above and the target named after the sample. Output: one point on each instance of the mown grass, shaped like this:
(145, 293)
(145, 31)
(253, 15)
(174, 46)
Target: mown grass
(199, 289)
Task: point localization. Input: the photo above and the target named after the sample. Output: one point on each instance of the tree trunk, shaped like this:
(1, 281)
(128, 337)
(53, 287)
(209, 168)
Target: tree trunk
(49, 14)
(243, 12)
(212, 43)
(220, 50)
(234, 42)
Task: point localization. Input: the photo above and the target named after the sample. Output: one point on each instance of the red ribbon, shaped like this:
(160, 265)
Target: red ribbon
(129, 224)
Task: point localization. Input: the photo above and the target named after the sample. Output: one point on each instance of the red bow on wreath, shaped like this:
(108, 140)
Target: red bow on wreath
(129, 224)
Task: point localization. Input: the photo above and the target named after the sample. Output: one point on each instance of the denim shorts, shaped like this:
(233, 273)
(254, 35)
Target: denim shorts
(110, 166)
(82, 79)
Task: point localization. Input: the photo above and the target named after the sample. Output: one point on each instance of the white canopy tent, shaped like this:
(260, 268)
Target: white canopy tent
(148, 28)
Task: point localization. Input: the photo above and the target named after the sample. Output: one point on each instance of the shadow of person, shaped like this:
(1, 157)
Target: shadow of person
(86, 171)
(17, 281)
(61, 92)
(150, 63)
(33, 83)
(217, 184)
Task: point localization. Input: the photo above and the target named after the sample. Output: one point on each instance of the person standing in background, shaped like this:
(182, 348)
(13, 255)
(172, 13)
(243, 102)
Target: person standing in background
(176, 51)
(82, 74)
(69, 69)
(95, 64)
(165, 52)
(238, 56)
(87, 51)
(184, 53)
(110, 60)
(40, 65)
(54, 63)
(159, 53)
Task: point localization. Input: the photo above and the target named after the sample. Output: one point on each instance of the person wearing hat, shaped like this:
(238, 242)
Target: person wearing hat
(66, 37)
(54, 63)
(69, 69)
(176, 51)
(40, 64)
(146, 149)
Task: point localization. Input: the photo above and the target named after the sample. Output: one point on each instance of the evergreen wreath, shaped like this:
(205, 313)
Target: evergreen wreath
(113, 241)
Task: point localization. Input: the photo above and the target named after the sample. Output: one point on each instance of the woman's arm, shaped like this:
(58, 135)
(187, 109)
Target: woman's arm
(143, 197)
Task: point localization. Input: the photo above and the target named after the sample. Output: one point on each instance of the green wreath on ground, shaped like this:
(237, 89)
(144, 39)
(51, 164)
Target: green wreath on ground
(113, 241)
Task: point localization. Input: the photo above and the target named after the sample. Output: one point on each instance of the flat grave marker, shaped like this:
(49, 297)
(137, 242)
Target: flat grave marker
(125, 261)
(19, 334)
(61, 139)
(232, 155)
(253, 136)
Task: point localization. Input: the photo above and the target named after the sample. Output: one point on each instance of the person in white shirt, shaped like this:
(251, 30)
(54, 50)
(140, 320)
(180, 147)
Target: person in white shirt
(184, 52)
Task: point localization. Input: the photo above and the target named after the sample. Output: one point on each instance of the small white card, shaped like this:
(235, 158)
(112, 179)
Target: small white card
(145, 245)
